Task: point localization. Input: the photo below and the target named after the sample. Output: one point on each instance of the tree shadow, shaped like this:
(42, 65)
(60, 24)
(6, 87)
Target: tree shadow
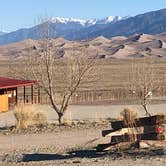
(69, 155)
(93, 154)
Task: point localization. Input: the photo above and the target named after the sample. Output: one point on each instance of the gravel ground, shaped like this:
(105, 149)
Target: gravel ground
(96, 162)
(72, 145)
(84, 112)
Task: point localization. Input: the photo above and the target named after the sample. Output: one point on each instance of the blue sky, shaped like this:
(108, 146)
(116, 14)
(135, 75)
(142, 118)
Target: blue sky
(15, 14)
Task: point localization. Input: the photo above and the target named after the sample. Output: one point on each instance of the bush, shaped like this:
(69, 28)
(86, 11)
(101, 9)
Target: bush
(129, 115)
(40, 119)
(68, 121)
(27, 115)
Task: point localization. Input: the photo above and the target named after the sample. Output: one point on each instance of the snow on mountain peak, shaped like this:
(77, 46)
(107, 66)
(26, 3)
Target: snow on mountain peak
(67, 20)
(2, 32)
(89, 22)
(110, 18)
(113, 18)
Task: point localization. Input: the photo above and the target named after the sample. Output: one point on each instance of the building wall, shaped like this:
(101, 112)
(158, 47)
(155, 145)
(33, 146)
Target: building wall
(8, 98)
(12, 96)
(3, 102)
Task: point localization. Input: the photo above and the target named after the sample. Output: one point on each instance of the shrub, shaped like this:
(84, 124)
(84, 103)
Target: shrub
(40, 119)
(68, 121)
(27, 115)
(129, 115)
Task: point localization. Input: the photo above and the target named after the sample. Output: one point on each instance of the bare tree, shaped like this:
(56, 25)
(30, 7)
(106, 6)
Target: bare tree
(143, 81)
(54, 74)
(64, 75)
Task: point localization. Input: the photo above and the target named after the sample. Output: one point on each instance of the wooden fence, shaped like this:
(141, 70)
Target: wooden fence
(114, 96)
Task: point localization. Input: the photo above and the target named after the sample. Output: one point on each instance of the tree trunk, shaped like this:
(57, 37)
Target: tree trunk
(146, 110)
(60, 116)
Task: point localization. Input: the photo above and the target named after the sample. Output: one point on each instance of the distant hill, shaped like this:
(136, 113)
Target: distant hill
(119, 47)
(59, 27)
(75, 29)
(2, 33)
(149, 23)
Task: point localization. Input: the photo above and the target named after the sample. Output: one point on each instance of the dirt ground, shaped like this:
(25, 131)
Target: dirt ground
(72, 146)
(85, 112)
(62, 140)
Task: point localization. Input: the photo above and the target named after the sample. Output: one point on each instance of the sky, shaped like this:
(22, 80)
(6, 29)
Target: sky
(16, 14)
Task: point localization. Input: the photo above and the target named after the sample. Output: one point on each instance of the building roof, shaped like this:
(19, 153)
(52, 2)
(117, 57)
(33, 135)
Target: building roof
(13, 83)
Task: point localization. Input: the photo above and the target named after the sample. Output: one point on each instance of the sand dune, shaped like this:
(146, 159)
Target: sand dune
(117, 47)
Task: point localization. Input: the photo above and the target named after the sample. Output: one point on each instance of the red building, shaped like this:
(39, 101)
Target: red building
(9, 92)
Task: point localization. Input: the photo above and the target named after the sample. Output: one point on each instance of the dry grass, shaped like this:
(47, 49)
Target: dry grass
(69, 120)
(115, 72)
(27, 115)
(115, 79)
(129, 115)
(98, 120)
(113, 87)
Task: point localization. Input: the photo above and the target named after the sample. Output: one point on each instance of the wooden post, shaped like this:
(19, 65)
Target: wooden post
(24, 94)
(34, 99)
(5, 91)
(16, 96)
(93, 96)
(32, 94)
(38, 93)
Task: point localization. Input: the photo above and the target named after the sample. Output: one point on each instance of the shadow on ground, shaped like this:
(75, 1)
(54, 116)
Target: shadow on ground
(93, 154)
(69, 155)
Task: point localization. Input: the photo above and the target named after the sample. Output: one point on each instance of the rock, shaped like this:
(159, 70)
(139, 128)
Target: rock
(143, 145)
(76, 161)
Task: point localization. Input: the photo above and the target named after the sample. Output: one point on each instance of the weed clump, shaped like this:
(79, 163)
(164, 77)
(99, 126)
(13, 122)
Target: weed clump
(27, 116)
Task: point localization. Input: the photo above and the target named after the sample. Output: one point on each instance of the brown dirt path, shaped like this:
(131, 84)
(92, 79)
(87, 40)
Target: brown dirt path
(61, 140)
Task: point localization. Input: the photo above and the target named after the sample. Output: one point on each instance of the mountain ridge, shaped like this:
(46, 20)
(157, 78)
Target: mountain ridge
(153, 22)
(2, 33)
(59, 27)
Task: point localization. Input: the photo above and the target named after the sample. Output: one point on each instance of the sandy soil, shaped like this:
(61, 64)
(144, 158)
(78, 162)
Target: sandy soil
(62, 140)
(84, 112)
(72, 146)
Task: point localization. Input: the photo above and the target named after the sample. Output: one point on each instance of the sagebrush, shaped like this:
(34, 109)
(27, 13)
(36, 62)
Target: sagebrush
(28, 115)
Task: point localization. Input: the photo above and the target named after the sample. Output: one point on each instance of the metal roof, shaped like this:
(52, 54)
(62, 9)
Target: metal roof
(13, 83)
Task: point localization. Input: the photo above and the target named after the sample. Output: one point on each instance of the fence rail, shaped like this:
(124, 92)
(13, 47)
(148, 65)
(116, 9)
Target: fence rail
(95, 97)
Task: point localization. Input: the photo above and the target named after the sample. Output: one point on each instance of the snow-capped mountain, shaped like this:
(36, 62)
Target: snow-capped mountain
(109, 19)
(63, 20)
(85, 23)
(77, 29)
(59, 27)
(2, 33)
